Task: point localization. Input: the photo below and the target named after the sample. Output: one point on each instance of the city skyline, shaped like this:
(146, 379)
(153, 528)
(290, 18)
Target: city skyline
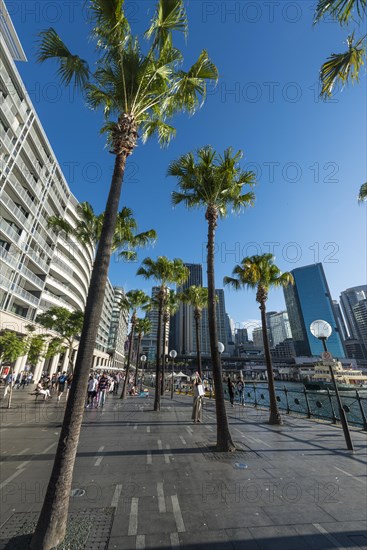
(269, 112)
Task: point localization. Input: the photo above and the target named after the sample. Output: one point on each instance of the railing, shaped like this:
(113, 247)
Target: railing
(18, 291)
(8, 230)
(311, 403)
(22, 193)
(15, 210)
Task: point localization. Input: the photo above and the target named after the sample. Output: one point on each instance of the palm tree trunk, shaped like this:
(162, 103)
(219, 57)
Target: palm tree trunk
(224, 439)
(198, 351)
(163, 353)
(124, 386)
(275, 417)
(51, 526)
(137, 359)
(157, 396)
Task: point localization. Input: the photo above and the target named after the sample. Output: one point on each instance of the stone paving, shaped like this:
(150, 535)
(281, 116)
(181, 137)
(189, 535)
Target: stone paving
(293, 487)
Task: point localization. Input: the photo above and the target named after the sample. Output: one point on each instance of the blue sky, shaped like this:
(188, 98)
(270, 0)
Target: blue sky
(309, 155)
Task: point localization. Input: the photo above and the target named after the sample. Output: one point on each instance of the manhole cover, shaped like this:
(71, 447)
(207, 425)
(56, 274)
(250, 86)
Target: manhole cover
(86, 530)
(241, 453)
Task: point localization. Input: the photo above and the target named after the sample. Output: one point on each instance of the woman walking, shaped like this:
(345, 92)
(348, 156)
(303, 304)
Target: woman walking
(197, 405)
(231, 391)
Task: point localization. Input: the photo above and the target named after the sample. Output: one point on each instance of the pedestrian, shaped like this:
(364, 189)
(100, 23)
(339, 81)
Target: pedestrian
(103, 385)
(92, 390)
(42, 390)
(61, 385)
(198, 399)
(9, 380)
(241, 391)
(231, 391)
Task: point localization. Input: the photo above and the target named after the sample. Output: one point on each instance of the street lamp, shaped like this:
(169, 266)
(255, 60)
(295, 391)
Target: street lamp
(173, 355)
(143, 358)
(220, 347)
(322, 330)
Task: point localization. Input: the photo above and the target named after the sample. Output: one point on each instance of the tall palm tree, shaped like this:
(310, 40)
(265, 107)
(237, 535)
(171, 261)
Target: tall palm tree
(215, 183)
(346, 66)
(142, 326)
(134, 299)
(140, 85)
(197, 297)
(164, 271)
(260, 272)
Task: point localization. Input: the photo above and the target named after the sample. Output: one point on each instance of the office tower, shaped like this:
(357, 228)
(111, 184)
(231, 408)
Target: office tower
(360, 315)
(230, 334)
(118, 329)
(306, 301)
(349, 298)
(279, 327)
(40, 268)
(182, 334)
(221, 326)
(340, 320)
(257, 338)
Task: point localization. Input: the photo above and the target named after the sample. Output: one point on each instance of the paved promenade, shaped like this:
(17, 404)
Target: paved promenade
(151, 480)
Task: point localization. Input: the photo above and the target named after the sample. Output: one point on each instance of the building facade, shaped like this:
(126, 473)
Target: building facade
(307, 300)
(40, 268)
(118, 329)
(279, 327)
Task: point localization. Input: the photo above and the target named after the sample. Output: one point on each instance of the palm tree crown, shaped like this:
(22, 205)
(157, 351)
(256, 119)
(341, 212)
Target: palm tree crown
(139, 88)
(258, 272)
(213, 181)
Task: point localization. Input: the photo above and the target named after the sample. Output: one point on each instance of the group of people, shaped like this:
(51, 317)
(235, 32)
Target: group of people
(99, 386)
(198, 390)
(56, 384)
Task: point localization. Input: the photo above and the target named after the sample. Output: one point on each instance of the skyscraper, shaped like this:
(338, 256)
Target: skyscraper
(308, 300)
(279, 327)
(182, 337)
(348, 299)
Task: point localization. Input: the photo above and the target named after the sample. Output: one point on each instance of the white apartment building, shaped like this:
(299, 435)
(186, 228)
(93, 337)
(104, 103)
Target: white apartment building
(39, 268)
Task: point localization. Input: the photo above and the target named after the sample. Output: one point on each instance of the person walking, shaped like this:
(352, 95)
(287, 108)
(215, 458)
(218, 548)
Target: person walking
(198, 399)
(103, 385)
(61, 385)
(92, 390)
(231, 391)
(241, 391)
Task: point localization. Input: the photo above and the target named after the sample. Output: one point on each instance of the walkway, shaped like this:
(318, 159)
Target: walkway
(151, 480)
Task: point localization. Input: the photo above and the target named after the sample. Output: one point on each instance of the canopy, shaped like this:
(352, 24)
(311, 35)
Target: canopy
(181, 375)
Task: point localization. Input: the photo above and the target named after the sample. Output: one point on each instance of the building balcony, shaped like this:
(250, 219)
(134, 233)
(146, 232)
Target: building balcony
(15, 289)
(21, 192)
(9, 231)
(14, 210)
(67, 290)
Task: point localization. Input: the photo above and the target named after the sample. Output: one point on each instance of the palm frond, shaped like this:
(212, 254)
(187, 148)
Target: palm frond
(340, 10)
(70, 67)
(362, 196)
(343, 67)
(170, 16)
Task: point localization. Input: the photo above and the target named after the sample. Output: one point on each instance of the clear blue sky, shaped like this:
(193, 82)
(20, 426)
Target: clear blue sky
(310, 156)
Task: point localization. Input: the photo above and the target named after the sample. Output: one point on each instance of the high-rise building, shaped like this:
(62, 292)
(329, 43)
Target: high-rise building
(118, 329)
(340, 320)
(149, 340)
(349, 298)
(257, 338)
(360, 315)
(183, 335)
(222, 332)
(40, 268)
(309, 300)
(279, 327)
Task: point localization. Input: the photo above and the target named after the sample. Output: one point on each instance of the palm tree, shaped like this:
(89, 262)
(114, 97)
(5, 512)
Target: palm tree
(171, 306)
(346, 66)
(197, 297)
(260, 272)
(88, 229)
(215, 183)
(139, 91)
(362, 196)
(134, 299)
(164, 271)
(142, 326)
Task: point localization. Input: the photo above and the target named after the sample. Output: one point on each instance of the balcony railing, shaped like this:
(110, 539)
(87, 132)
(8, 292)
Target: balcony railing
(22, 193)
(6, 284)
(9, 231)
(15, 210)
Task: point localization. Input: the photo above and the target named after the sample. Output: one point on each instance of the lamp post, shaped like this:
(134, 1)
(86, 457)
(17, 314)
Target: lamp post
(322, 330)
(173, 355)
(143, 358)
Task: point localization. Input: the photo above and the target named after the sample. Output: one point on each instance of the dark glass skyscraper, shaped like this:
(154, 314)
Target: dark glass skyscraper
(308, 300)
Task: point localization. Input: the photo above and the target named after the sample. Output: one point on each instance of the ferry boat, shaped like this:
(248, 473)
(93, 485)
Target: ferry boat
(347, 379)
